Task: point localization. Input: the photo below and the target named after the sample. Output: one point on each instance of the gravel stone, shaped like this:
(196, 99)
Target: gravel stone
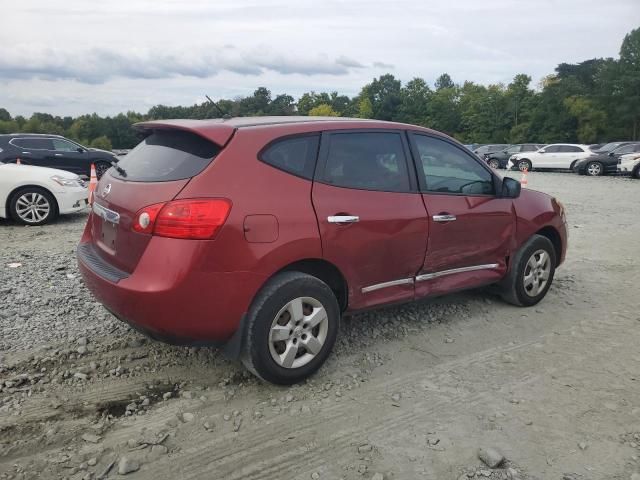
(491, 457)
(127, 465)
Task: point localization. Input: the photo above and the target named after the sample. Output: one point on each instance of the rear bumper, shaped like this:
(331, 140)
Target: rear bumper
(171, 295)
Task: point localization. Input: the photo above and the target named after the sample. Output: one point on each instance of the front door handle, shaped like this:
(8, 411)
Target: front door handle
(58, 154)
(343, 219)
(444, 217)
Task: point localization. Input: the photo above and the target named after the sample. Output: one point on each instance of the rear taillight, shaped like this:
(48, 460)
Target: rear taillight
(196, 219)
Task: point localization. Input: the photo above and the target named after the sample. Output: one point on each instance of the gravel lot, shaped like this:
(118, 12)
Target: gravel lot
(410, 392)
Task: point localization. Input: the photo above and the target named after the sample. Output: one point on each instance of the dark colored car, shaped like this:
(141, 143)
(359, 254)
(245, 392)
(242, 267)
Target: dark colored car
(482, 150)
(604, 163)
(54, 151)
(259, 233)
(500, 158)
(608, 147)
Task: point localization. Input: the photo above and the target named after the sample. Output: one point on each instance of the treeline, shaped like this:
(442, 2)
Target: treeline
(593, 101)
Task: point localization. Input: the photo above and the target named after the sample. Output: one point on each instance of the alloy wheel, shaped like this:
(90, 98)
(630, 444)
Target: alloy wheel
(298, 332)
(101, 168)
(494, 163)
(536, 273)
(594, 169)
(33, 207)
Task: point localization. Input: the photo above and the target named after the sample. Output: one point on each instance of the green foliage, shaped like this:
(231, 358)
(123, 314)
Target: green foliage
(102, 142)
(323, 110)
(592, 101)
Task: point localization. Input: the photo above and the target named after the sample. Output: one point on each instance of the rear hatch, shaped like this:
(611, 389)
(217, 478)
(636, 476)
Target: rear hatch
(152, 173)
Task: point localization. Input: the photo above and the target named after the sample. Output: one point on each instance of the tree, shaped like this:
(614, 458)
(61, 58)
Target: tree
(591, 120)
(444, 81)
(5, 116)
(101, 142)
(384, 95)
(323, 110)
(628, 84)
(365, 109)
(414, 105)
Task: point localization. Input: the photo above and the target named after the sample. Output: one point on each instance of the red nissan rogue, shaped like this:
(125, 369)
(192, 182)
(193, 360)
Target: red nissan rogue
(259, 233)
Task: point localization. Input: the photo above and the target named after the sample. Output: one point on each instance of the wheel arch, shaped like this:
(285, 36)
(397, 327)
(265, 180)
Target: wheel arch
(325, 271)
(554, 237)
(13, 192)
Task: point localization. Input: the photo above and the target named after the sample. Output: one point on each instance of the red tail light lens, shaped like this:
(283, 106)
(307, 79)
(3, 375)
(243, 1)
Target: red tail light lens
(195, 219)
(145, 218)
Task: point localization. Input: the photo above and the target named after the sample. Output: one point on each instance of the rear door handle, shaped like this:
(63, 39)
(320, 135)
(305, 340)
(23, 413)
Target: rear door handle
(444, 217)
(58, 154)
(343, 219)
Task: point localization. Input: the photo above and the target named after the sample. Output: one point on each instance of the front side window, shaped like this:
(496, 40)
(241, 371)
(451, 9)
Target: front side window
(296, 155)
(627, 149)
(367, 161)
(529, 148)
(33, 143)
(64, 145)
(448, 169)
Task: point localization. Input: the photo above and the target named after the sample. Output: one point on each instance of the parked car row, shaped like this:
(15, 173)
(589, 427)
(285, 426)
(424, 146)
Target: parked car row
(54, 151)
(593, 160)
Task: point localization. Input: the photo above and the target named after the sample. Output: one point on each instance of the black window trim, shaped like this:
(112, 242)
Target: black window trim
(32, 138)
(321, 164)
(497, 181)
(282, 138)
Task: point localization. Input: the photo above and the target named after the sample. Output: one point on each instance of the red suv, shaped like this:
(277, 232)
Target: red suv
(259, 233)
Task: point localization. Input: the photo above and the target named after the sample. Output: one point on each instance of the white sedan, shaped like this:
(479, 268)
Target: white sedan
(37, 195)
(554, 156)
(629, 165)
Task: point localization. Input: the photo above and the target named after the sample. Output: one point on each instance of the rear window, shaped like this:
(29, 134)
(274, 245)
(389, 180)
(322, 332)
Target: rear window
(167, 155)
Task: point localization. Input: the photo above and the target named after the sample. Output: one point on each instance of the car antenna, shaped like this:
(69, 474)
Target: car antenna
(225, 115)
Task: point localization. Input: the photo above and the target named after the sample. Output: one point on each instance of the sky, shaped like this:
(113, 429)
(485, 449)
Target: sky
(71, 57)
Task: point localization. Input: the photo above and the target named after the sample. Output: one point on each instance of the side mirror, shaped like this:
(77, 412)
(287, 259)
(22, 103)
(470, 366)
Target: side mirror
(81, 150)
(510, 188)
(540, 151)
(611, 154)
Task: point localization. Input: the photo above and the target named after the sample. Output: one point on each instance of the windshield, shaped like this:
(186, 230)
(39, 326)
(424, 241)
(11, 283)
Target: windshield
(610, 146)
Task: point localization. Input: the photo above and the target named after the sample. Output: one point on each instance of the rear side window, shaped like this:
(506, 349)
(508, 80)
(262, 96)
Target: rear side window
(553, 149)
(167, 155)
(33, 143)
(570, 148)
(296, 155)
(367, 161)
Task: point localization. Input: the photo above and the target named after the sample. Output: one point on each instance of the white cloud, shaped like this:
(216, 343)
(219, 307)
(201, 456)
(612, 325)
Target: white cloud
(75, 56)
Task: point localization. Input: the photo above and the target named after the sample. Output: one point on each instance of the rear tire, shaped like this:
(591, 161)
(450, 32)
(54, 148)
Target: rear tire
(524, 165)
(531, 273)
(292, 326)
(33, 206)
(594, 169)
(636, 172)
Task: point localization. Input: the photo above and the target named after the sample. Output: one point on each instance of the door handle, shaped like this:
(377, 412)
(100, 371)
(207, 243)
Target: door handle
(58, 154)
(26, 153)
(444, 218)
(343, 219)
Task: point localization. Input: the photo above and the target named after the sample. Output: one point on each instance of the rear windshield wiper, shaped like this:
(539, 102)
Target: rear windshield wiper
(118, 168)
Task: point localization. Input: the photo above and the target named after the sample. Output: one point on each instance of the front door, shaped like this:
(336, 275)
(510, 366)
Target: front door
(471, 229)
(371, 217)
(65, 156)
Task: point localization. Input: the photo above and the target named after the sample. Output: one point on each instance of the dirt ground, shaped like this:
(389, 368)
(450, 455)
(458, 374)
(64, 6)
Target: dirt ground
(410, 392)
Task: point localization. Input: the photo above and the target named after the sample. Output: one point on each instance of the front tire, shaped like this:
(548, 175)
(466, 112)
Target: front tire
(636, 172)
(594, 169)
(33, 206)
(493, 163)
(524, 165)
(531, 273)
(292, 326)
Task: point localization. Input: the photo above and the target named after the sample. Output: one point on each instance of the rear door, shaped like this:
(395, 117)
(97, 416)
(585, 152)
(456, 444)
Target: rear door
(32, 150)
(471, 229)
(152, 173)
(372, 220)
